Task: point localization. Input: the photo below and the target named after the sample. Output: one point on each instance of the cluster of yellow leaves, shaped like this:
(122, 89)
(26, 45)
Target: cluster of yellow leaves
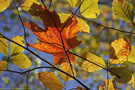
(19, 59)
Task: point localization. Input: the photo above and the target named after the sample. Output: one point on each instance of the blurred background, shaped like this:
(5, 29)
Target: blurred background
(10, 26)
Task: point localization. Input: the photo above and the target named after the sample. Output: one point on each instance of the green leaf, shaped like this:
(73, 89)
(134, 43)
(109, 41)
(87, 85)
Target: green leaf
(21, 60)
(63, 17)
(4, 4)
(16, 49)
(6, 29)
(123, 9)
(3, 66)
(72, 3)
(4, 46)
(89, 8)
(97, 62)
(84, 26)
(122, 74)
(131, 56)
(32, 7)
(13, 16)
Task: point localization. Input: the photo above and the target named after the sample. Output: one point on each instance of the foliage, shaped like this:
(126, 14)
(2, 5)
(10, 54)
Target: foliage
(78, 52)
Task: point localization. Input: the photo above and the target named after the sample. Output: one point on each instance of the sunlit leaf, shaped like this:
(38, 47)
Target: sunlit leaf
(4, 4)
(50, 80)
(66, 67)
(63, 17)
(121, 74)
(97, 62)
(132, 81)
(72, 3)
(16, 49)
(110, 84)
(131, 56)
(101, 87)
(119, 51)
(84, 26)
(50, 37)
(123, 9)
(4, 46)
(89, 8)
(3, 66)
(21, 60)
(32, 6)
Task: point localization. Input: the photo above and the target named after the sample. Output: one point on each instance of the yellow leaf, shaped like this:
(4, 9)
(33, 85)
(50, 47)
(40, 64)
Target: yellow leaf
(101, 87)
(63, 17)
(32, 7)
(89, 8)
(50, 80)
(66, 67)
(4, 46)
(123, 10)
(119, 51)
(84, 26)
(21, 60)
(97, 62)
(4, 4)
(16, 49)
(3, 66)
(122, 74)
(72, 3)
(131, 56)
(110, 84)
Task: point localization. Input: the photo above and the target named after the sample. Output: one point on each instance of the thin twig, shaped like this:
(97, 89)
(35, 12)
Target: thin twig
(101, 66)
(21, 23)
(104, 25)
(53, 68)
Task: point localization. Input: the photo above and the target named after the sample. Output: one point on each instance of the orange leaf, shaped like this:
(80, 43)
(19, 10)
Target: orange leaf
(80, 88)
(50, 37)
(119, 51)
(50, 80)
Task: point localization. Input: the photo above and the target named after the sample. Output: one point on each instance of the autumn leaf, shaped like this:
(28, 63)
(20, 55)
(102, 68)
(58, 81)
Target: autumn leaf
(21, 60)
(72, 3)
(110, 84)
(84, 26)
(66, 68)
(63, 17)
(101, 87)
(131, 56)
(4, 46)
(50, 37)
(50, 80)
(33, 7)
(89, 8)
(80, 88)
(91, 67)
(119, 51)
(123, 9)
(4, 4)
(3, 66)
(16, 49)
(122, 74)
